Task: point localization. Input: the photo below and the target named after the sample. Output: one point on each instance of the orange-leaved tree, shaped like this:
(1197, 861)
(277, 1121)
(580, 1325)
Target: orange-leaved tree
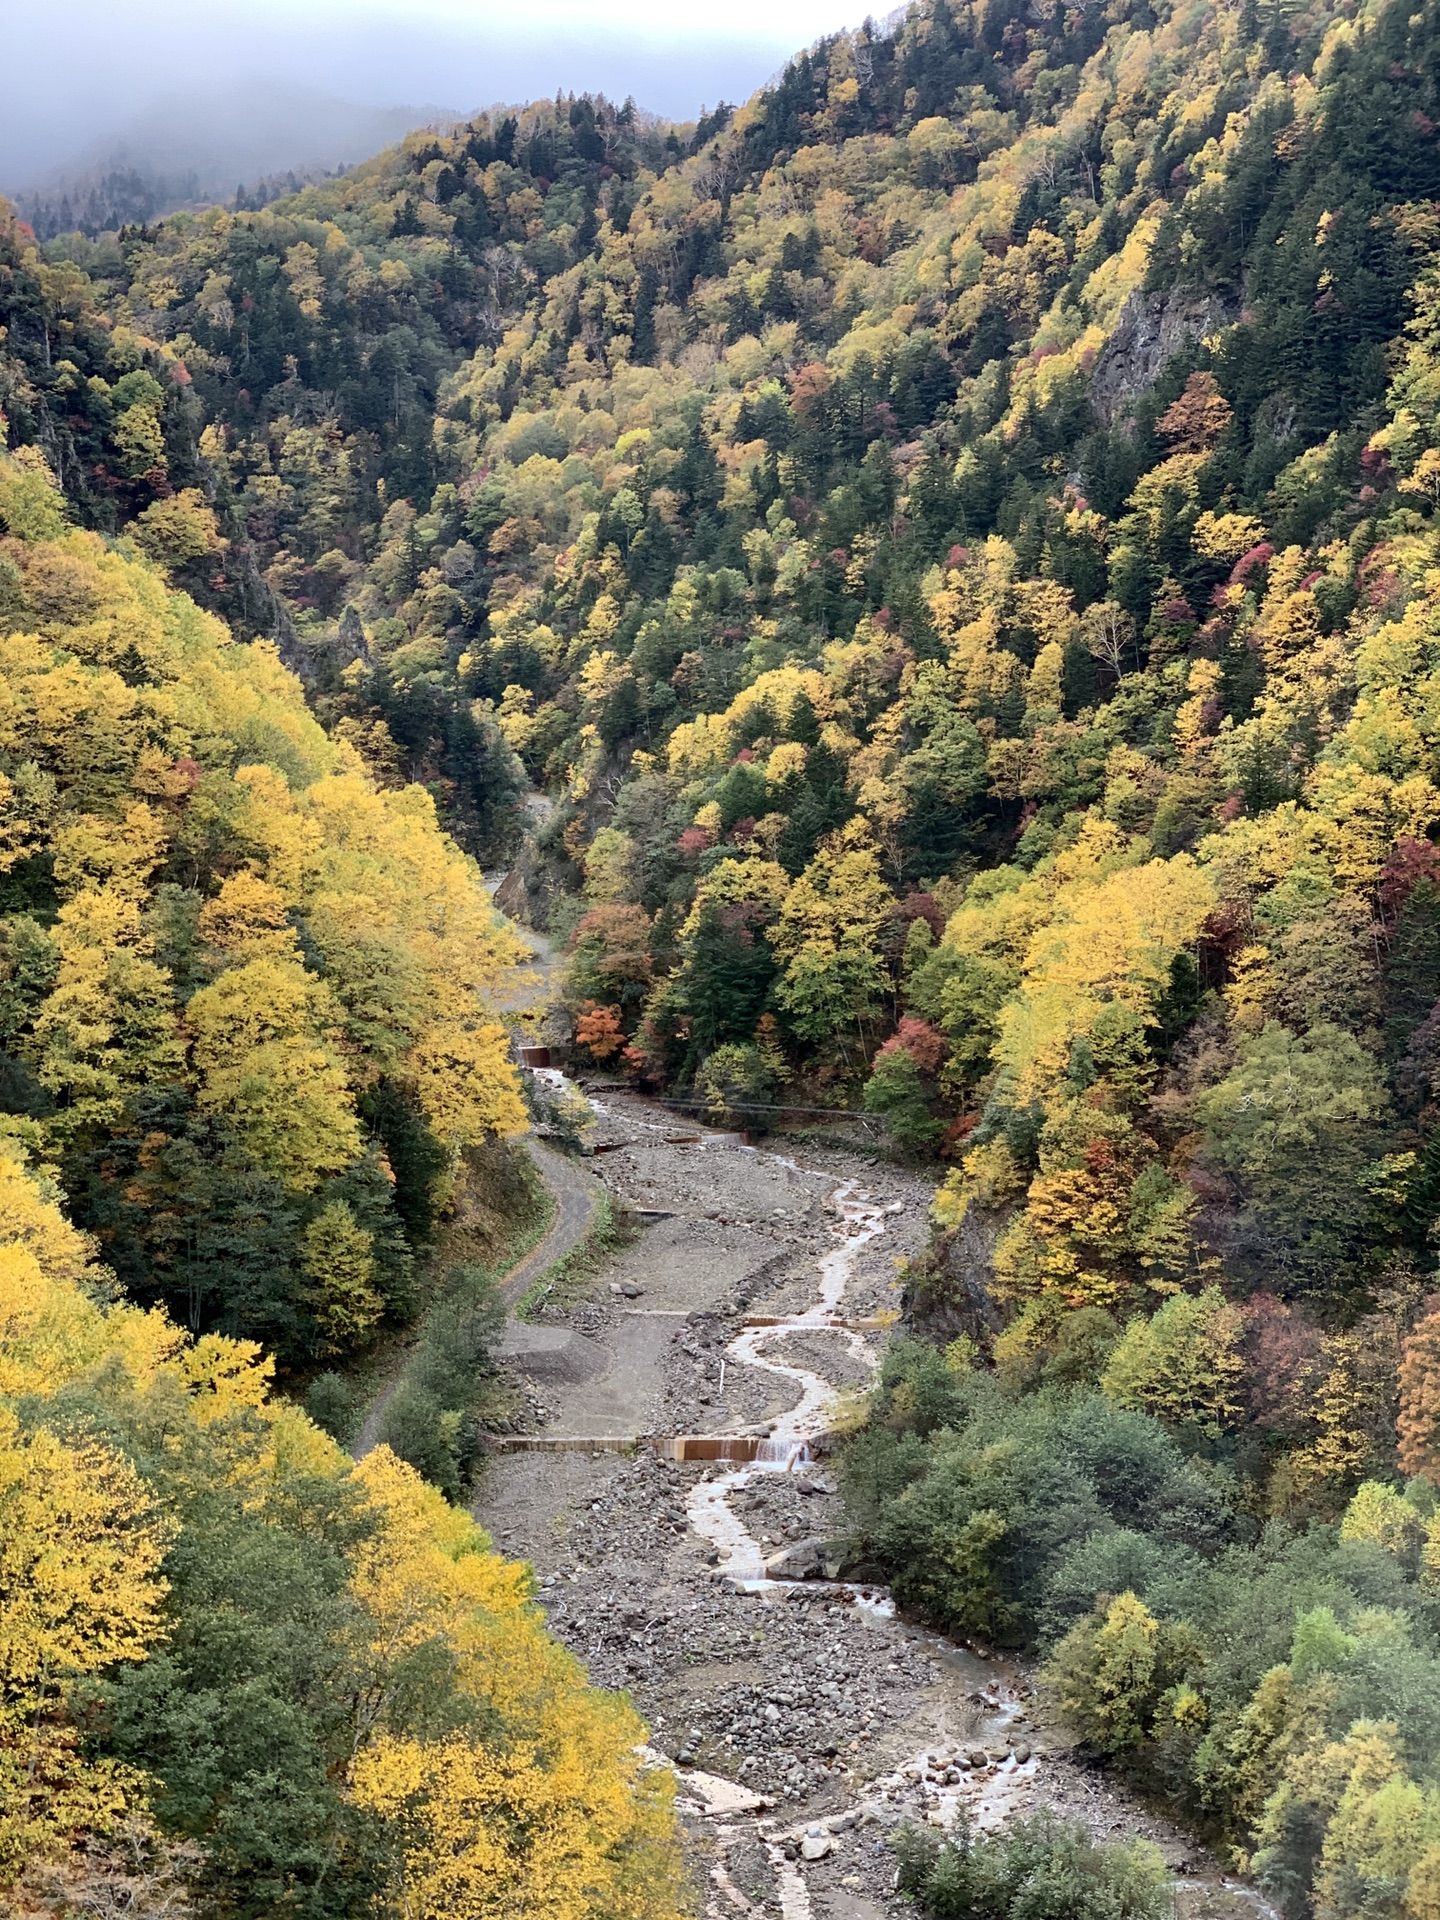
(1419, 1423)
(599, 1031)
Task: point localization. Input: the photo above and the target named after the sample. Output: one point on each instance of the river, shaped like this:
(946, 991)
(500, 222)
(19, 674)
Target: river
(803, 1719)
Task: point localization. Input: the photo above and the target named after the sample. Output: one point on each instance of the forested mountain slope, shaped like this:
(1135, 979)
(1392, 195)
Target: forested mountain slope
(248, 1046)
(243, 1672)
(957, 536)
(246, 993)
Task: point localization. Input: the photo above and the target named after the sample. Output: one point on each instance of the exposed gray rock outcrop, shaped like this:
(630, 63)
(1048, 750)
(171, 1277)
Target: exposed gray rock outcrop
(1152, 329)
(530, 889)
(350, 643)
(948, 1292)
(820, 1558)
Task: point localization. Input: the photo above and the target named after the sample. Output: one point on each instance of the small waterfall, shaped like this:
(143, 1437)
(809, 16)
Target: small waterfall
(743, 1447)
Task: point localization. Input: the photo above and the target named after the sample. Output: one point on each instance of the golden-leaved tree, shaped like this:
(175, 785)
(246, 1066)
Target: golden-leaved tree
(460, 1752)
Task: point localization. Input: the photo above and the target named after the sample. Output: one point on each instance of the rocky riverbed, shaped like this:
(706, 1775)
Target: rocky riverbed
(804, 1721)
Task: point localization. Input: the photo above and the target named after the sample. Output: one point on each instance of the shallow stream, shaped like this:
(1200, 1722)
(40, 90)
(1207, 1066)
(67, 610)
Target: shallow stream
(788, 1444)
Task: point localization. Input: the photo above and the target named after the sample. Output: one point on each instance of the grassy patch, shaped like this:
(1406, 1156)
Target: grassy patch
(612, 1227)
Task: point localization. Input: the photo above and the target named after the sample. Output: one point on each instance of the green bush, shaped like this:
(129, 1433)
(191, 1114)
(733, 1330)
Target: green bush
(432, 1418)
(431, 1436)
(736, 1080)
(901, 1094)
(1037, 1869)
(1247, 1671)
(976, 1504)
(331, 1404)
(455, 1352)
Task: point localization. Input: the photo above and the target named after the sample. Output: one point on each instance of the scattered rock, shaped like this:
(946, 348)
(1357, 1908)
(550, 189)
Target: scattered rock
(807, 1559)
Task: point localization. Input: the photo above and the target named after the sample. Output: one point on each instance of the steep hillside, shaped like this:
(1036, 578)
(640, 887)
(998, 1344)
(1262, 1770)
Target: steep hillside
(957, 538)
(245, 1676)
(246, 999)
(248, 1046)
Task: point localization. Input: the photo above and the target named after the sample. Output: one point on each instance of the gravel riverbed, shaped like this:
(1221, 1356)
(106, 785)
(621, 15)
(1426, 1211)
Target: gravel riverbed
(804, 1721)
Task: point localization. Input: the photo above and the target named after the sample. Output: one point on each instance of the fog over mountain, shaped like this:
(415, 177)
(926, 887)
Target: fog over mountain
(255, 141)
(235, 133)
(244, 92)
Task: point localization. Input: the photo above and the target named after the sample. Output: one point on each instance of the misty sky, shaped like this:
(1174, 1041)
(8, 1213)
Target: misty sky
(79, 70)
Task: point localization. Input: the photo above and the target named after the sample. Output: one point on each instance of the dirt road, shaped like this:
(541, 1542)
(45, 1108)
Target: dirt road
(575, 1194)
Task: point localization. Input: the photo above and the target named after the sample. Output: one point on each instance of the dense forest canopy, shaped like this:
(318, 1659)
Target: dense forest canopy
(249, 1047)
(259, 1674)
(957, 537)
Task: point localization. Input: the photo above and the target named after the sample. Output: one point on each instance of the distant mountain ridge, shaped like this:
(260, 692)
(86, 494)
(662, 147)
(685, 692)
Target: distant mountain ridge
(245, 147)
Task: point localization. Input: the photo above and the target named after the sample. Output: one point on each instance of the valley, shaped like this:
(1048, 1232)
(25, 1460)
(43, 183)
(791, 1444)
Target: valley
(922, 590)
(804, 1719)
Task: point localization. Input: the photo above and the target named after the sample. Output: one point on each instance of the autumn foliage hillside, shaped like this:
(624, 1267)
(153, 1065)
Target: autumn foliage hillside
(246, 999)
(243, 1675)
(957, 538)
(249, 1059)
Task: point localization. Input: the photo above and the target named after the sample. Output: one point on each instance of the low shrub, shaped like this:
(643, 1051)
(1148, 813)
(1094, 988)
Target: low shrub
(1037, 1869)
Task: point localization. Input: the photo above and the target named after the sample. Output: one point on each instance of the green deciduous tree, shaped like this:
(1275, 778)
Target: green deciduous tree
(1183, 1364)
(1111, 1673)
(1295, 1121)
(338, 1259)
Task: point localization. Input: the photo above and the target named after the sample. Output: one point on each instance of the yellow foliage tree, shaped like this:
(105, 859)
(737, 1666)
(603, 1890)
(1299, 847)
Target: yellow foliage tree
(339, 1263)
(109, 1026)
(268, 1069)
(141, 737)
(1182, 1365)
(528, 1796)
(558, 1818)
(80, 1550)
(827, 936)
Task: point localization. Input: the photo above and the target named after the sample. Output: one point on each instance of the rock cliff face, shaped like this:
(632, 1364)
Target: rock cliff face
(1152, 329)
(529, 890)
(350, 643)
(947, 1293)
(319, 659)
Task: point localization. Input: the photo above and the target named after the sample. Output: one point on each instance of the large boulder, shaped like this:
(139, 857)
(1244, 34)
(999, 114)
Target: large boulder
(822, 1557)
